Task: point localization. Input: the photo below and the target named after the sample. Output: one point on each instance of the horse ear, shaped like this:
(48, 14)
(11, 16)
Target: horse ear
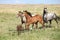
(19, 11)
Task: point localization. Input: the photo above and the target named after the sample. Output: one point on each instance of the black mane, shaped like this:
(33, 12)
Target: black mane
(44, 12)
(29, 14)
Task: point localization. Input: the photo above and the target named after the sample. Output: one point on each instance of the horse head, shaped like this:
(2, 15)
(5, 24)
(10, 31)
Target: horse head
(45, 11)
(19, 14)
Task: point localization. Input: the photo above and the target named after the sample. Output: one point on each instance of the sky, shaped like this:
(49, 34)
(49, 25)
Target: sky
(29, 1)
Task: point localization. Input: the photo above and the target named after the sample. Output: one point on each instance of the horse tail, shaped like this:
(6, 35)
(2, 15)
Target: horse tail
(58, 17)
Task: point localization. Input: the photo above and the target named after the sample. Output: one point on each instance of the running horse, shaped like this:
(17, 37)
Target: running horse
(32, 20)
(23, 19)
(49, 17)
(20, 15)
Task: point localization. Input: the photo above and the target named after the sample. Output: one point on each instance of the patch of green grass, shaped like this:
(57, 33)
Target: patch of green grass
(8, 23)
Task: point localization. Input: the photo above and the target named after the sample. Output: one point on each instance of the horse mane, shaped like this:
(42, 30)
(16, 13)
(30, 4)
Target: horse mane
(28, 13)
(44, 12)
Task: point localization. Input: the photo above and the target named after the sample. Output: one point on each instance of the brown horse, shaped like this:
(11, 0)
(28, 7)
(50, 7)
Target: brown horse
(33, 19)
(24, 21)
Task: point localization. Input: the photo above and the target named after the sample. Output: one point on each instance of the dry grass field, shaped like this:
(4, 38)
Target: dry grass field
(8, 23)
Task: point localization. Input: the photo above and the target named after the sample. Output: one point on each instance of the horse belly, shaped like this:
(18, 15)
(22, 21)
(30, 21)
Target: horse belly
(49, 16)
(33, 20)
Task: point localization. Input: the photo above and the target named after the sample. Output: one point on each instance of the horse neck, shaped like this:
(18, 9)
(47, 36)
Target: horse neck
(27, 16)
(44, 12)
(20, 16)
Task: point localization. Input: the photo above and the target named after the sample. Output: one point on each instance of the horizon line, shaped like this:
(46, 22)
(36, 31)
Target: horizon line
(35, 4)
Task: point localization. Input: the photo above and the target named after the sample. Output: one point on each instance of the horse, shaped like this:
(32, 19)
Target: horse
(49, 17)
(19, 14)
(23, 19)
(32, 20)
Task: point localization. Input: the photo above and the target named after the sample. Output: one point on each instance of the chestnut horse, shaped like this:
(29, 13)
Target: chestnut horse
(32, 20)
(22, 18)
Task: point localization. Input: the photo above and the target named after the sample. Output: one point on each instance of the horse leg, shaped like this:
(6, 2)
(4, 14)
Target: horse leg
(32, 25)
(36, 25)
(56, 21)
(27, 26)
(50, 23)
(42, 23)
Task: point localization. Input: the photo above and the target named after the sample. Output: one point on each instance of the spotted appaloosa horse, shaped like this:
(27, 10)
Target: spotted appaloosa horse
(32, 20)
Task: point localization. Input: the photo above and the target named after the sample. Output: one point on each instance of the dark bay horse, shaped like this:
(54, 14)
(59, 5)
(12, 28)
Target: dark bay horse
(49, 17)
(33, 19)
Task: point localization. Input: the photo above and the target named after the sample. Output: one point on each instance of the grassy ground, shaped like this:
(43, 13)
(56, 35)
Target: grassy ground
(8, 23)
